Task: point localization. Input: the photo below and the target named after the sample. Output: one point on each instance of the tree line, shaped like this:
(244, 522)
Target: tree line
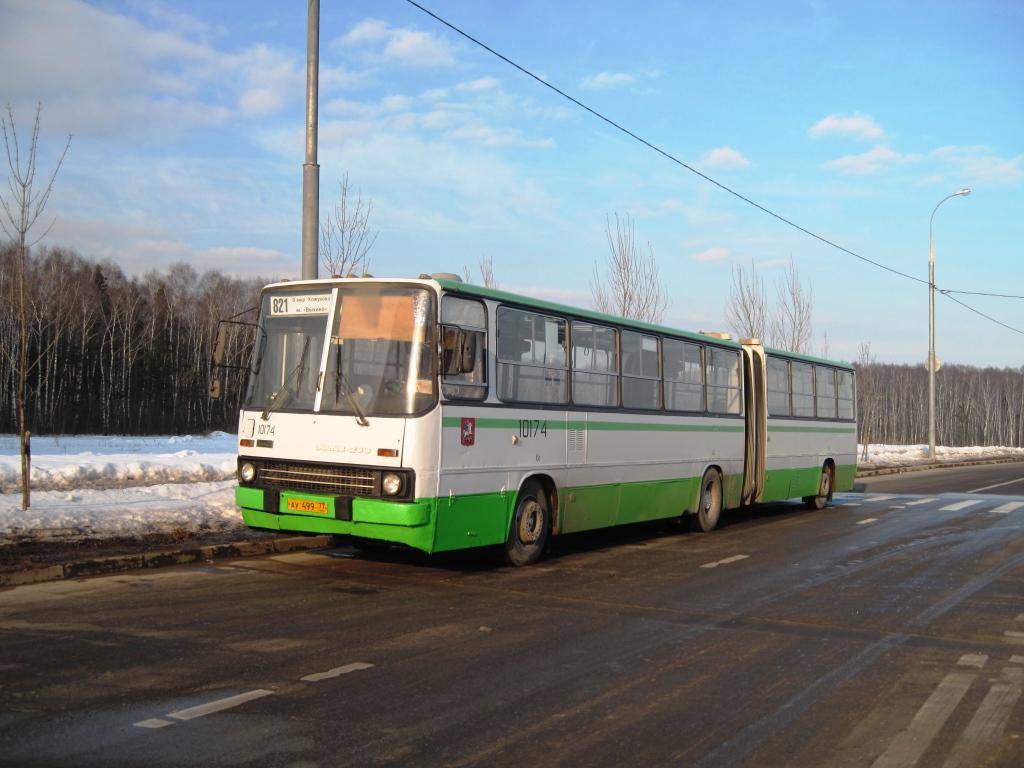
(974, 406)
(115, 354)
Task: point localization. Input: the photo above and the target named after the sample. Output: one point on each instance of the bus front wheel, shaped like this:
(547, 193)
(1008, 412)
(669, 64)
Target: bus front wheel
(531, 525)
(709, 505)
(824, 490)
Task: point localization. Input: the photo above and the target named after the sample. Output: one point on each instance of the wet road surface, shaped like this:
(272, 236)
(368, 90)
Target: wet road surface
(886, 630)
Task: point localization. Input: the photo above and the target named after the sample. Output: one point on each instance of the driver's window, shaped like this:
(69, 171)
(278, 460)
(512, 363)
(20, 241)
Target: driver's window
(463, 349)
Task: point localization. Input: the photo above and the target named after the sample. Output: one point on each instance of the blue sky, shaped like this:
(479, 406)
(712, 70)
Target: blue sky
(852, 119)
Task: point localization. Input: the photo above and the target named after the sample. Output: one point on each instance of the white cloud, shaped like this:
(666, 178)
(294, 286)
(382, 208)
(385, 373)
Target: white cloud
(876, 160)
(606, 80)
(715, 254)
(108, 74)
(404, 46)
(499, 137)
(855, 126)
(726, 158)
(478, 86)
(978, 165)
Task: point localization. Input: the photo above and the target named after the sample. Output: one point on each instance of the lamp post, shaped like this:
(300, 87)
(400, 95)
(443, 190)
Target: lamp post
(931, 324)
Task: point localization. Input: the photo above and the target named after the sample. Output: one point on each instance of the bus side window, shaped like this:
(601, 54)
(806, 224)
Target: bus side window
(594, 364)
(844, 382)
(778, 387)
(684, 376)
(463, 349)
(531, 357)
(724, 395)
(825, 392)
(803, 389)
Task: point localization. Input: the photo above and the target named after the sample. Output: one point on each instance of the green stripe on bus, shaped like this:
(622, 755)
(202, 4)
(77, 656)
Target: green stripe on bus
(633, 426)
(613, 426)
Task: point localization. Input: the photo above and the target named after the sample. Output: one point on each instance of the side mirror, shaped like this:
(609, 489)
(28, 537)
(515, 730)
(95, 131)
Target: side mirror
(222, 344)
(467, 345)
(458, 350)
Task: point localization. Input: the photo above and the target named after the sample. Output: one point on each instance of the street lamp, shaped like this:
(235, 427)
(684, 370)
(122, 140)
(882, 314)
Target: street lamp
(931, 324)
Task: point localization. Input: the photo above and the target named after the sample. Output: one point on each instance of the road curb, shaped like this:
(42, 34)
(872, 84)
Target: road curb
(99, 566)
(898, 470)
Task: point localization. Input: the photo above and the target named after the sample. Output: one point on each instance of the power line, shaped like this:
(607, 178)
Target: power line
(667, 155)
(982, 314)
(948, 291)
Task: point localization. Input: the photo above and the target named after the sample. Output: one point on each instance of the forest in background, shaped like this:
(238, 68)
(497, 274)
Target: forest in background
(116, 354)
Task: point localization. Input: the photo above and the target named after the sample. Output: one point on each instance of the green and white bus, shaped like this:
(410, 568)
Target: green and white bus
(441, 415)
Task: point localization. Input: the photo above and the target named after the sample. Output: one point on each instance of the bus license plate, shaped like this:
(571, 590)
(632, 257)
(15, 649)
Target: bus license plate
(306, 505)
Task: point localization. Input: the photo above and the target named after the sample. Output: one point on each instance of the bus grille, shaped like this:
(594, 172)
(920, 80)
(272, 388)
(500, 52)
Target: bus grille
(336, 481)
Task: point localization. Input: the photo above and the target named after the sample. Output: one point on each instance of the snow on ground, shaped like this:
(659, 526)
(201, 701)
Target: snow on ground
(120, 486)
(130, 486)
(906, 455)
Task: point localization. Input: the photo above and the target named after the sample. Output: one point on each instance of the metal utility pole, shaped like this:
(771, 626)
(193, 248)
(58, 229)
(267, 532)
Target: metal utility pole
(931, 324)
(310, 169)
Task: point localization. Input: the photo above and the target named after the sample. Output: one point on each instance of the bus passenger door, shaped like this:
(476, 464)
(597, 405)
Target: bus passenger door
(756, 420)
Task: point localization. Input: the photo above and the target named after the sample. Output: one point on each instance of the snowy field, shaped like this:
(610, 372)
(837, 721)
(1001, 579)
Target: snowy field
(132, 486)
(120, 486)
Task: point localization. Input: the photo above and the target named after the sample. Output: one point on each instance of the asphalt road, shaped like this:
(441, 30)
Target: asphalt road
(884, 631)
(1005, 479)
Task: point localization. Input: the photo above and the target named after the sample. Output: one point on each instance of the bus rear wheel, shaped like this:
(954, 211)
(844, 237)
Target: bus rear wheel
(531, 525)
(824, 490)
(709, 505)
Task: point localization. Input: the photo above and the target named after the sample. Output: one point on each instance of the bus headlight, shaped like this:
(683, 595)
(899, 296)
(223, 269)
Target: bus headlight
(391, 484)
(247, 472)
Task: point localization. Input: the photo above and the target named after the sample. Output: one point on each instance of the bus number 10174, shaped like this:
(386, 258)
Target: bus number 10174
(533, 427)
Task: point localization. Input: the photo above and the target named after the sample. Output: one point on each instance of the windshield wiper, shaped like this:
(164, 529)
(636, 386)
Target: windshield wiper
(341, 385)
(284, 394)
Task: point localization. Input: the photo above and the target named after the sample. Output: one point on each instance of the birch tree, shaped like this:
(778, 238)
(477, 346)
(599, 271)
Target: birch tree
(24, 204)
(628, 283)
(345, 236)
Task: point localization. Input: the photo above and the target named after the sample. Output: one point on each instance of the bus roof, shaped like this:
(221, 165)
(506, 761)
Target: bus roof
(455, 286)
(458, 286)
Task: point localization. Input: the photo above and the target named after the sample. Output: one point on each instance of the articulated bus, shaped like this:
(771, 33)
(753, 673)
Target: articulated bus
(441, 415)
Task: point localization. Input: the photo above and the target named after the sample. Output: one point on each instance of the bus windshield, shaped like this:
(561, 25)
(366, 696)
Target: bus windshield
(363, 349)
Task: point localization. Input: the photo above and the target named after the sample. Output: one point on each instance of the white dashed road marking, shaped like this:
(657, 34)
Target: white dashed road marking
(973, 660)
(867, 520)
(957, 506)
(1007, 508)
(996, 485)
(986, 727)
(726, 561)
(153, 722)
(878, 498)
(912, 742)
(1013, 636)
(219, 705)
(917, 502)
(355, 666)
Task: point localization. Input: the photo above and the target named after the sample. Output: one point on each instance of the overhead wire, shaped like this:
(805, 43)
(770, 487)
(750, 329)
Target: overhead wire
(725, 188)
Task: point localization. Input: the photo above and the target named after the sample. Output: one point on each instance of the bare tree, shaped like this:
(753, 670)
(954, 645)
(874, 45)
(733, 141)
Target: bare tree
(866, 396)
(791, 325)
(629, 284)
(486, 266)
(747, 310)
(346, 237)
(23, 206)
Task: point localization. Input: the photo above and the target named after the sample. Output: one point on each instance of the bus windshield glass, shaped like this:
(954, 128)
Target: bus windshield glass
(380, 357)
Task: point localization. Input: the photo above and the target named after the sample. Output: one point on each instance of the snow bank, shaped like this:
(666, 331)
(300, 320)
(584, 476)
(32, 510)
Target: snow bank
(120, 486)
(89, 461)
(903, 455)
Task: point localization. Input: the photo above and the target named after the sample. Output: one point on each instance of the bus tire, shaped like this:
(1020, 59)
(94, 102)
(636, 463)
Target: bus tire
(709, 503)
(824, 490)
(531, 525)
